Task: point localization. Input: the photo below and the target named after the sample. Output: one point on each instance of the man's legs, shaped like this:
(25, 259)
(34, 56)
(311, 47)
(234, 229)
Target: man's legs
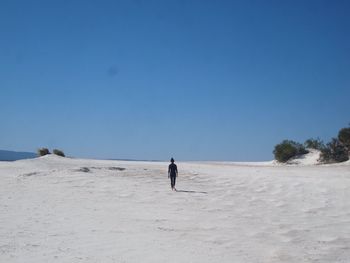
(173, 180)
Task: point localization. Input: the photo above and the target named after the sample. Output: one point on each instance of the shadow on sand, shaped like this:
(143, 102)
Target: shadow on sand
(186, 191)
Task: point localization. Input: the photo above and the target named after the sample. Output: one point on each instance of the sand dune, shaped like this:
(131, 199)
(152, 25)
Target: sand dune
(55, 209)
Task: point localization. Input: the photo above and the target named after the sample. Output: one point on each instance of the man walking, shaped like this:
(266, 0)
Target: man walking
(172, 174)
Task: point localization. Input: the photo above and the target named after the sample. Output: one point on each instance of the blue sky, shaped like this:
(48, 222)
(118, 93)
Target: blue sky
(197, 80)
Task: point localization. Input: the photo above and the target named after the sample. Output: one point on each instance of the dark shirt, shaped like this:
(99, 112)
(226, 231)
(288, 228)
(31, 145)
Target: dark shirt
(172, 169)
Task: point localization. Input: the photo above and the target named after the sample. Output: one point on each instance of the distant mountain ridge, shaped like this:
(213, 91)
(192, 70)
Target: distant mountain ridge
(13, 156)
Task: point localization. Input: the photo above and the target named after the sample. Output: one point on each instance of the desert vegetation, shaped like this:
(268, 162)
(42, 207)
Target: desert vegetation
(287, 150)
(314, 144)
(334, 152)
(344, 137)
(58, 152)
(43, 151)
(337, 150)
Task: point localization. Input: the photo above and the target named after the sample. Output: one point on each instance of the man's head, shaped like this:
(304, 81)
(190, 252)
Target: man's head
(172, 160)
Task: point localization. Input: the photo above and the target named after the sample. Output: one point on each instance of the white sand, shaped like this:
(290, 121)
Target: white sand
(53, 211)
(310, 158)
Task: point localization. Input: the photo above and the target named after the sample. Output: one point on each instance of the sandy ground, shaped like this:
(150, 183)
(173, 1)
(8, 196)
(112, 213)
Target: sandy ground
(55, 209)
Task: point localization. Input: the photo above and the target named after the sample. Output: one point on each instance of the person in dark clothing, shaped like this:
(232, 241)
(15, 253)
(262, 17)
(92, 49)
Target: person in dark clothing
(172, 174)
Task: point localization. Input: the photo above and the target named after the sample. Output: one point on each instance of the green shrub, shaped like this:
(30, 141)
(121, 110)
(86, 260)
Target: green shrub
(58, 152)
(43, 151)
(334, 152)
(344, 137)
(314, 144)
(288, 149)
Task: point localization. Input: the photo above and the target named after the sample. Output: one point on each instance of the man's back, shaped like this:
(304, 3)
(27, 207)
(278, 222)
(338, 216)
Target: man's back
(172, 169)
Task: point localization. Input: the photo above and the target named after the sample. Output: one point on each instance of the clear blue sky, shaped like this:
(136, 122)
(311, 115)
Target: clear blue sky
(197, 80)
